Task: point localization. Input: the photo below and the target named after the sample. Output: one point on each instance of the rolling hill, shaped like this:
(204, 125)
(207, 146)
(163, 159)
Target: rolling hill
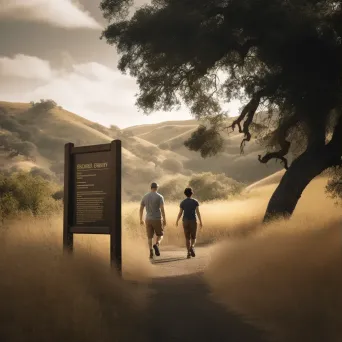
(37, 133)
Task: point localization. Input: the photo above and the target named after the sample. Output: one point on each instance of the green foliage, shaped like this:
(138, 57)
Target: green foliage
(58, 195)
(334, 186)
(43, 105)
(26, 192)
(25, 148)
(37, 171)
(173, 189)
(208, 141)
(9, 206)
(281, 57)
(207, 187)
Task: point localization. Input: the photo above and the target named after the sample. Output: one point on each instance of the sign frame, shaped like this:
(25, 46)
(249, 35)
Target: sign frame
(114, 228)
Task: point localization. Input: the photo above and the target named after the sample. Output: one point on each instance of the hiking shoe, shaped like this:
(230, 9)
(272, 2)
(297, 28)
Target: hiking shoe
(156, 249)
(151, 254)
(189, 255)
(192, 251)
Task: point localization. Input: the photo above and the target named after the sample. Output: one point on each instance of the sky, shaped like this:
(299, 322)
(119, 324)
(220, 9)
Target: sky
(50, 49)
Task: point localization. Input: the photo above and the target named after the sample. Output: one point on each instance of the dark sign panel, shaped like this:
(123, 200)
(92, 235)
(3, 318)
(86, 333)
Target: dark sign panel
(92, 186)
(92, 194)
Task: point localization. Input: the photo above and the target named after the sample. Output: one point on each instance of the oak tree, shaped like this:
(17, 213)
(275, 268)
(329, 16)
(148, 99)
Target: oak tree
(282, 57)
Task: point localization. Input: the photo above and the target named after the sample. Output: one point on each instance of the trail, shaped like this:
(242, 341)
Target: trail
(181, 308)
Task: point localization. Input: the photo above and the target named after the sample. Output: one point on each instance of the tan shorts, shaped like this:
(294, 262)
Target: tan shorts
(190, 229)
(154, 226)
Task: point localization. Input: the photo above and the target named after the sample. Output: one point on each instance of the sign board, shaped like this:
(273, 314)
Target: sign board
(92, 194)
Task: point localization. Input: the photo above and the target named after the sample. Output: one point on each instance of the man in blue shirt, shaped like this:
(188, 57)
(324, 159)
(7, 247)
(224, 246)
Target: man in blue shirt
(189, 209)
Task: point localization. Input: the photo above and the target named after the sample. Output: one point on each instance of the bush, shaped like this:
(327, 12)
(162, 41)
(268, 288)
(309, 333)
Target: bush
(172, 165)
(43, 105)
(37, 171)
(173, 189)
(58, 195)
(334, 186)
(25, 148)
(23, 191)
(8, 206)
(208, 186)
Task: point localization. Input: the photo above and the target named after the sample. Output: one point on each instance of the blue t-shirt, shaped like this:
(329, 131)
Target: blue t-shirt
(189, 206)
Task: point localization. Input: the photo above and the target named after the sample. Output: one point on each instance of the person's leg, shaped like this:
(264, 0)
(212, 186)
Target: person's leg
(193, 237)
(150, 233)
(187, 237)
(158, 228)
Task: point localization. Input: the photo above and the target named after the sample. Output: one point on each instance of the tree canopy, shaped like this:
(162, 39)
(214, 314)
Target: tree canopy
(279, 57)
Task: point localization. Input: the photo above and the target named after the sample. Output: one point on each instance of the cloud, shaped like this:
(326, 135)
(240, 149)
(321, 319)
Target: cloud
(92, 90)
(61, 13)
(25, 67)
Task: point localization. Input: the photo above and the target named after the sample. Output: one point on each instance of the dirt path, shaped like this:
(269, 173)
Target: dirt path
(181, 308)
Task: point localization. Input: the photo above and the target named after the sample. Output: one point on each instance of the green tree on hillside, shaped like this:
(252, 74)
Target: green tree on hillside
(43, 105)
(280, 57)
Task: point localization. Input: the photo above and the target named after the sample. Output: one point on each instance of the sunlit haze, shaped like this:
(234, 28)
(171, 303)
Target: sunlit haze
(45, 54)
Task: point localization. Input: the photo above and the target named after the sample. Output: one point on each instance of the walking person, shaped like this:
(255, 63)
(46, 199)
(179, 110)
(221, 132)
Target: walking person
(153, 202)
(189, 208)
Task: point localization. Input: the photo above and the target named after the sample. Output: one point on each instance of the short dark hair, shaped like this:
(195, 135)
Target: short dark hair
(154, 185)
(188, 192)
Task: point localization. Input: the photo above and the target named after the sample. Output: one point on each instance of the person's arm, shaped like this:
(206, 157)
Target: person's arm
(199, 216)
(163, 213)
(142, 206)
(162, 210)
(179, 215)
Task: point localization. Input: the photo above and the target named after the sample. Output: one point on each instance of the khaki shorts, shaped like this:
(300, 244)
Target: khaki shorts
(190, 229)
(154, 226)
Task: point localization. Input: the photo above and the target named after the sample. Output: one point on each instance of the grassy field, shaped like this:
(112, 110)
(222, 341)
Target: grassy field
(285, 278)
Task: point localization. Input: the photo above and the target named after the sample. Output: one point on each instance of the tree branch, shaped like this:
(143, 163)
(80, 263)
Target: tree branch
(284, 144)
(249, 112)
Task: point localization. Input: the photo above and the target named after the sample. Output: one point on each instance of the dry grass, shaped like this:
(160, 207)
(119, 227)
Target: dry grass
(286, 279)
(45, 296)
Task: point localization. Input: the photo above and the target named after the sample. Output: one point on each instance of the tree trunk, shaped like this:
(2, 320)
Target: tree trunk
(301, 172)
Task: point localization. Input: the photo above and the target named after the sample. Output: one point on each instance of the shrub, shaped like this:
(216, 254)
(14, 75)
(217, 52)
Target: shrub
(208, 186)
(43, 105)
(8, 206)
(37, 171)
(23, 191)
(334, 186)
(58, 195)
(173, 189)
(172, 165)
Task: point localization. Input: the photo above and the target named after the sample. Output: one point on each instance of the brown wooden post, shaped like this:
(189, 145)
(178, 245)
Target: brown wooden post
(116, 229)
(68, 239)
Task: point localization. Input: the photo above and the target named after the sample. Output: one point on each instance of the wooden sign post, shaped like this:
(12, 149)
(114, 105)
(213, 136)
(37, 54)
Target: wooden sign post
(92, 195)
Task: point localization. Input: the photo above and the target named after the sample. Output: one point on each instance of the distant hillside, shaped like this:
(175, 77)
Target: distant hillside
(33, 135)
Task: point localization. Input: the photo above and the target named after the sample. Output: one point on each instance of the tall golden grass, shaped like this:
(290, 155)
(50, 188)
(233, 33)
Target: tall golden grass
(46, 296)
(286, 278)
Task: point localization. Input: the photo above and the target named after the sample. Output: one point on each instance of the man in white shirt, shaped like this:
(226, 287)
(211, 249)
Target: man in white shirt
(154, 204)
